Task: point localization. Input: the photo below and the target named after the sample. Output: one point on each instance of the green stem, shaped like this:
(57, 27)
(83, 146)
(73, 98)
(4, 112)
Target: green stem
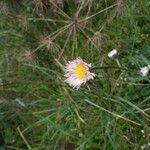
(109, 67)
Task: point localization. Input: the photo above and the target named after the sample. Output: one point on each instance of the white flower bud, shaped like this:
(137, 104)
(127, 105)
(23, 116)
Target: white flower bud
(145, 70)
(142, 131)
(112, 54)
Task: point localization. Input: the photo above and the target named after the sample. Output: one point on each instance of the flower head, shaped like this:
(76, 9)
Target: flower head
(77, 73)
(112, 53)
(145, 70)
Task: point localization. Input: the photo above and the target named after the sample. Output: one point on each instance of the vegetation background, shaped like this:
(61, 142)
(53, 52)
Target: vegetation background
(38, 110)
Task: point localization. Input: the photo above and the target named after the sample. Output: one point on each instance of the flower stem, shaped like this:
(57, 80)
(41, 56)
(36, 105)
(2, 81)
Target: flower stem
(109, 67)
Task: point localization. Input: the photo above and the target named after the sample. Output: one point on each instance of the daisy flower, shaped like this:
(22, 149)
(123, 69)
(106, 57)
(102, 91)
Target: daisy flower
(77, 73)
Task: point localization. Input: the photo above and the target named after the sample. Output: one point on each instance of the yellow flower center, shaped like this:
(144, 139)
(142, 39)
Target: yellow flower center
(80, 71)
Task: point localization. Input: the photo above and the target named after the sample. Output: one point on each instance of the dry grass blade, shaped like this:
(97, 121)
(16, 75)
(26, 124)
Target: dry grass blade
(40, 4)
(89, 17)
(88, 11)
(90, 39)
(99, 39)
(23, 21)
(28, 57)
(59, 64)
(146, 109)
(131, 83)
(134, 106)
(82, 5)
(114, 114)
(24, 139)
(80, 8)
(61, 11)
(54, 35)
(50, 46)
(120, 7)
(67, 40)
(75, 40)
(80, 118)
(48, 19)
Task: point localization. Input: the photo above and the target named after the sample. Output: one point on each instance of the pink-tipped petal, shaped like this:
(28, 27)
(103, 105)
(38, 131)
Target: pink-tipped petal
(71, 78)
